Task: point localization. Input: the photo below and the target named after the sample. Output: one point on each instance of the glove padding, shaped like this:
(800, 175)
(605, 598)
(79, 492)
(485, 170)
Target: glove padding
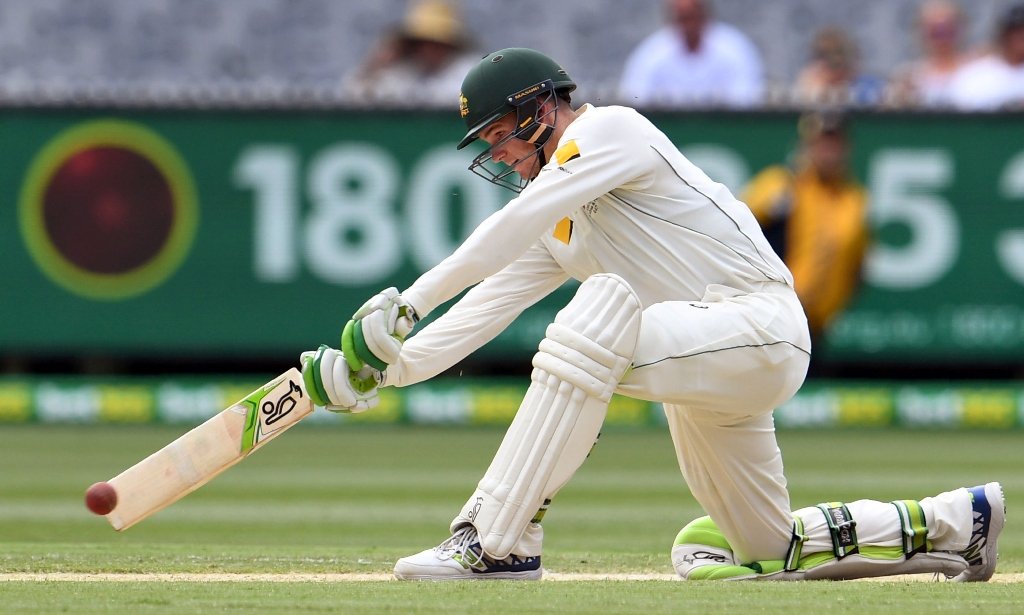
(375, 334)
(332, 384)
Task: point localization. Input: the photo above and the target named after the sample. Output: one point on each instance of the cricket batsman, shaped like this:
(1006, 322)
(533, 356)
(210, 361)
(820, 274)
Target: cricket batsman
(681, 301)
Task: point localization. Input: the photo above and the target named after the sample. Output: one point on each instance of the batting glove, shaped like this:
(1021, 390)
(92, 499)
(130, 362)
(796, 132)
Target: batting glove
(375, 334)
(332, 384)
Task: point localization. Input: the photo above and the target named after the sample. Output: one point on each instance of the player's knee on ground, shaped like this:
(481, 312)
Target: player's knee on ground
(701, 553)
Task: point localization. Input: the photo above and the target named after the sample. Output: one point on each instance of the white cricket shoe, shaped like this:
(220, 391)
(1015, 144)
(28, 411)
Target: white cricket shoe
(460, 557)
(989, 510)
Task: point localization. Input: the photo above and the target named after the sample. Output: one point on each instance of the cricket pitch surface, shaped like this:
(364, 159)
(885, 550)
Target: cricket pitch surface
(300, 577)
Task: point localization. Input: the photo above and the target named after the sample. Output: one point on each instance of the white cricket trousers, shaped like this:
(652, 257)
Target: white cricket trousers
(720, 366)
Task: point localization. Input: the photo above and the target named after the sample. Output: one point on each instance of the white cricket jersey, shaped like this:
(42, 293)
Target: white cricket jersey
(617, 197)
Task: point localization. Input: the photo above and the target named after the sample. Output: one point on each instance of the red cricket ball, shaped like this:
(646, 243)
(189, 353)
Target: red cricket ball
(101, 498)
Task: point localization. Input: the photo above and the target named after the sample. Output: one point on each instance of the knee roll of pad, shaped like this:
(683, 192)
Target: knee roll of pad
(580, 361)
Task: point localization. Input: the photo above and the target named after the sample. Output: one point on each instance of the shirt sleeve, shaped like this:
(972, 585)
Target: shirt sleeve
(594, 157)
(477, 318)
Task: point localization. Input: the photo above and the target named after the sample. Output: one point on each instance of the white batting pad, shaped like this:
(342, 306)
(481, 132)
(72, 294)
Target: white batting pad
(585, 353)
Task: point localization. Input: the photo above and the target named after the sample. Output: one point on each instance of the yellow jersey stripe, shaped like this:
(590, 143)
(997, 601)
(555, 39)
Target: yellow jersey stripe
(563, 230)
(567, 152)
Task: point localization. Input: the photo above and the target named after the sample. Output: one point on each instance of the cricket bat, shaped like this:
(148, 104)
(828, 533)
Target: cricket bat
(198, 456)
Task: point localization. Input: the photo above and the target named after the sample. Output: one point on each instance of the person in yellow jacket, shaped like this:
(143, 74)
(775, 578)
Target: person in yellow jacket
(814, 213)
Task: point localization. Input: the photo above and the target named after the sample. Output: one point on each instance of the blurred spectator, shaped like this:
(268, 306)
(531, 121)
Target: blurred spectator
(997, 79)
(693, 60)
(814, 213)
(423, 61)
(927, 80)
(833, 74)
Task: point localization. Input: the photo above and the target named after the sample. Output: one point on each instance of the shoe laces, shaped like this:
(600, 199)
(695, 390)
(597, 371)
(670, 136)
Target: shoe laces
(463, 546)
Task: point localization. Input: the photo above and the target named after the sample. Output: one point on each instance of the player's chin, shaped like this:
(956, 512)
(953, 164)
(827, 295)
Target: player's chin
(527, 169)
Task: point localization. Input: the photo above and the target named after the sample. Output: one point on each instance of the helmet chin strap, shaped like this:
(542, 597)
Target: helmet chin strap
(531, 129)
(542, 158)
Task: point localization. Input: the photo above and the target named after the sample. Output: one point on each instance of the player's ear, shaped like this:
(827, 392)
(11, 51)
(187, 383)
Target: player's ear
(545, 112)
(550, 104)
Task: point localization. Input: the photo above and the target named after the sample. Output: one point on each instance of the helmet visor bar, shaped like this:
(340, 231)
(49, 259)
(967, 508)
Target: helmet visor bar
(498, 173)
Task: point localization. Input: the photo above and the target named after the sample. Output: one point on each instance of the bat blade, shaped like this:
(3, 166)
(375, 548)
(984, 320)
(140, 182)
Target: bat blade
(198, 456)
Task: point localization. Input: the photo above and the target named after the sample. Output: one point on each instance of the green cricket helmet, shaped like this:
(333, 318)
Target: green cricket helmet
(504, 81)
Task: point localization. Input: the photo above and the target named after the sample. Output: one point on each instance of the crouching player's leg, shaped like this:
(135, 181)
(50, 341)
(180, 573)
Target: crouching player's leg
(584, 355)
(953, 533)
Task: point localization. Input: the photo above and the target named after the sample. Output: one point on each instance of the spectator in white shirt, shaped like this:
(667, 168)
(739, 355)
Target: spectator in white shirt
(694, 60)
(926, 81)
(995, 81)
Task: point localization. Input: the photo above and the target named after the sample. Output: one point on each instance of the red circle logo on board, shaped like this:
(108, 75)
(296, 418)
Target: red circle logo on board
(108, 209)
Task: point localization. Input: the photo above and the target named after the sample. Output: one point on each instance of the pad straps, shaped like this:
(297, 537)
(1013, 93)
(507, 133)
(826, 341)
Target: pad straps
(914, 527)
(842, 527)
(796, 545)
(537, 518)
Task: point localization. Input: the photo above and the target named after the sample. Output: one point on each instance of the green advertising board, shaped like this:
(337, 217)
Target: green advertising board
(473, 401)
(221, 233)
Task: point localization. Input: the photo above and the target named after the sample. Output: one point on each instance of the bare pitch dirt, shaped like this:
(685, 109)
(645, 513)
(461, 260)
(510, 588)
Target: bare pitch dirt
(103, 577)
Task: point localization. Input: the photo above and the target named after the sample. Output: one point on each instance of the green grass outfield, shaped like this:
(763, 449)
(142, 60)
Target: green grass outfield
(322, 501)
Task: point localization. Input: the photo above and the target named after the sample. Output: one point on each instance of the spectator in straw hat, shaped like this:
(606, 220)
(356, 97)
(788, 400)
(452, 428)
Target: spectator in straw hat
(421, 61)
